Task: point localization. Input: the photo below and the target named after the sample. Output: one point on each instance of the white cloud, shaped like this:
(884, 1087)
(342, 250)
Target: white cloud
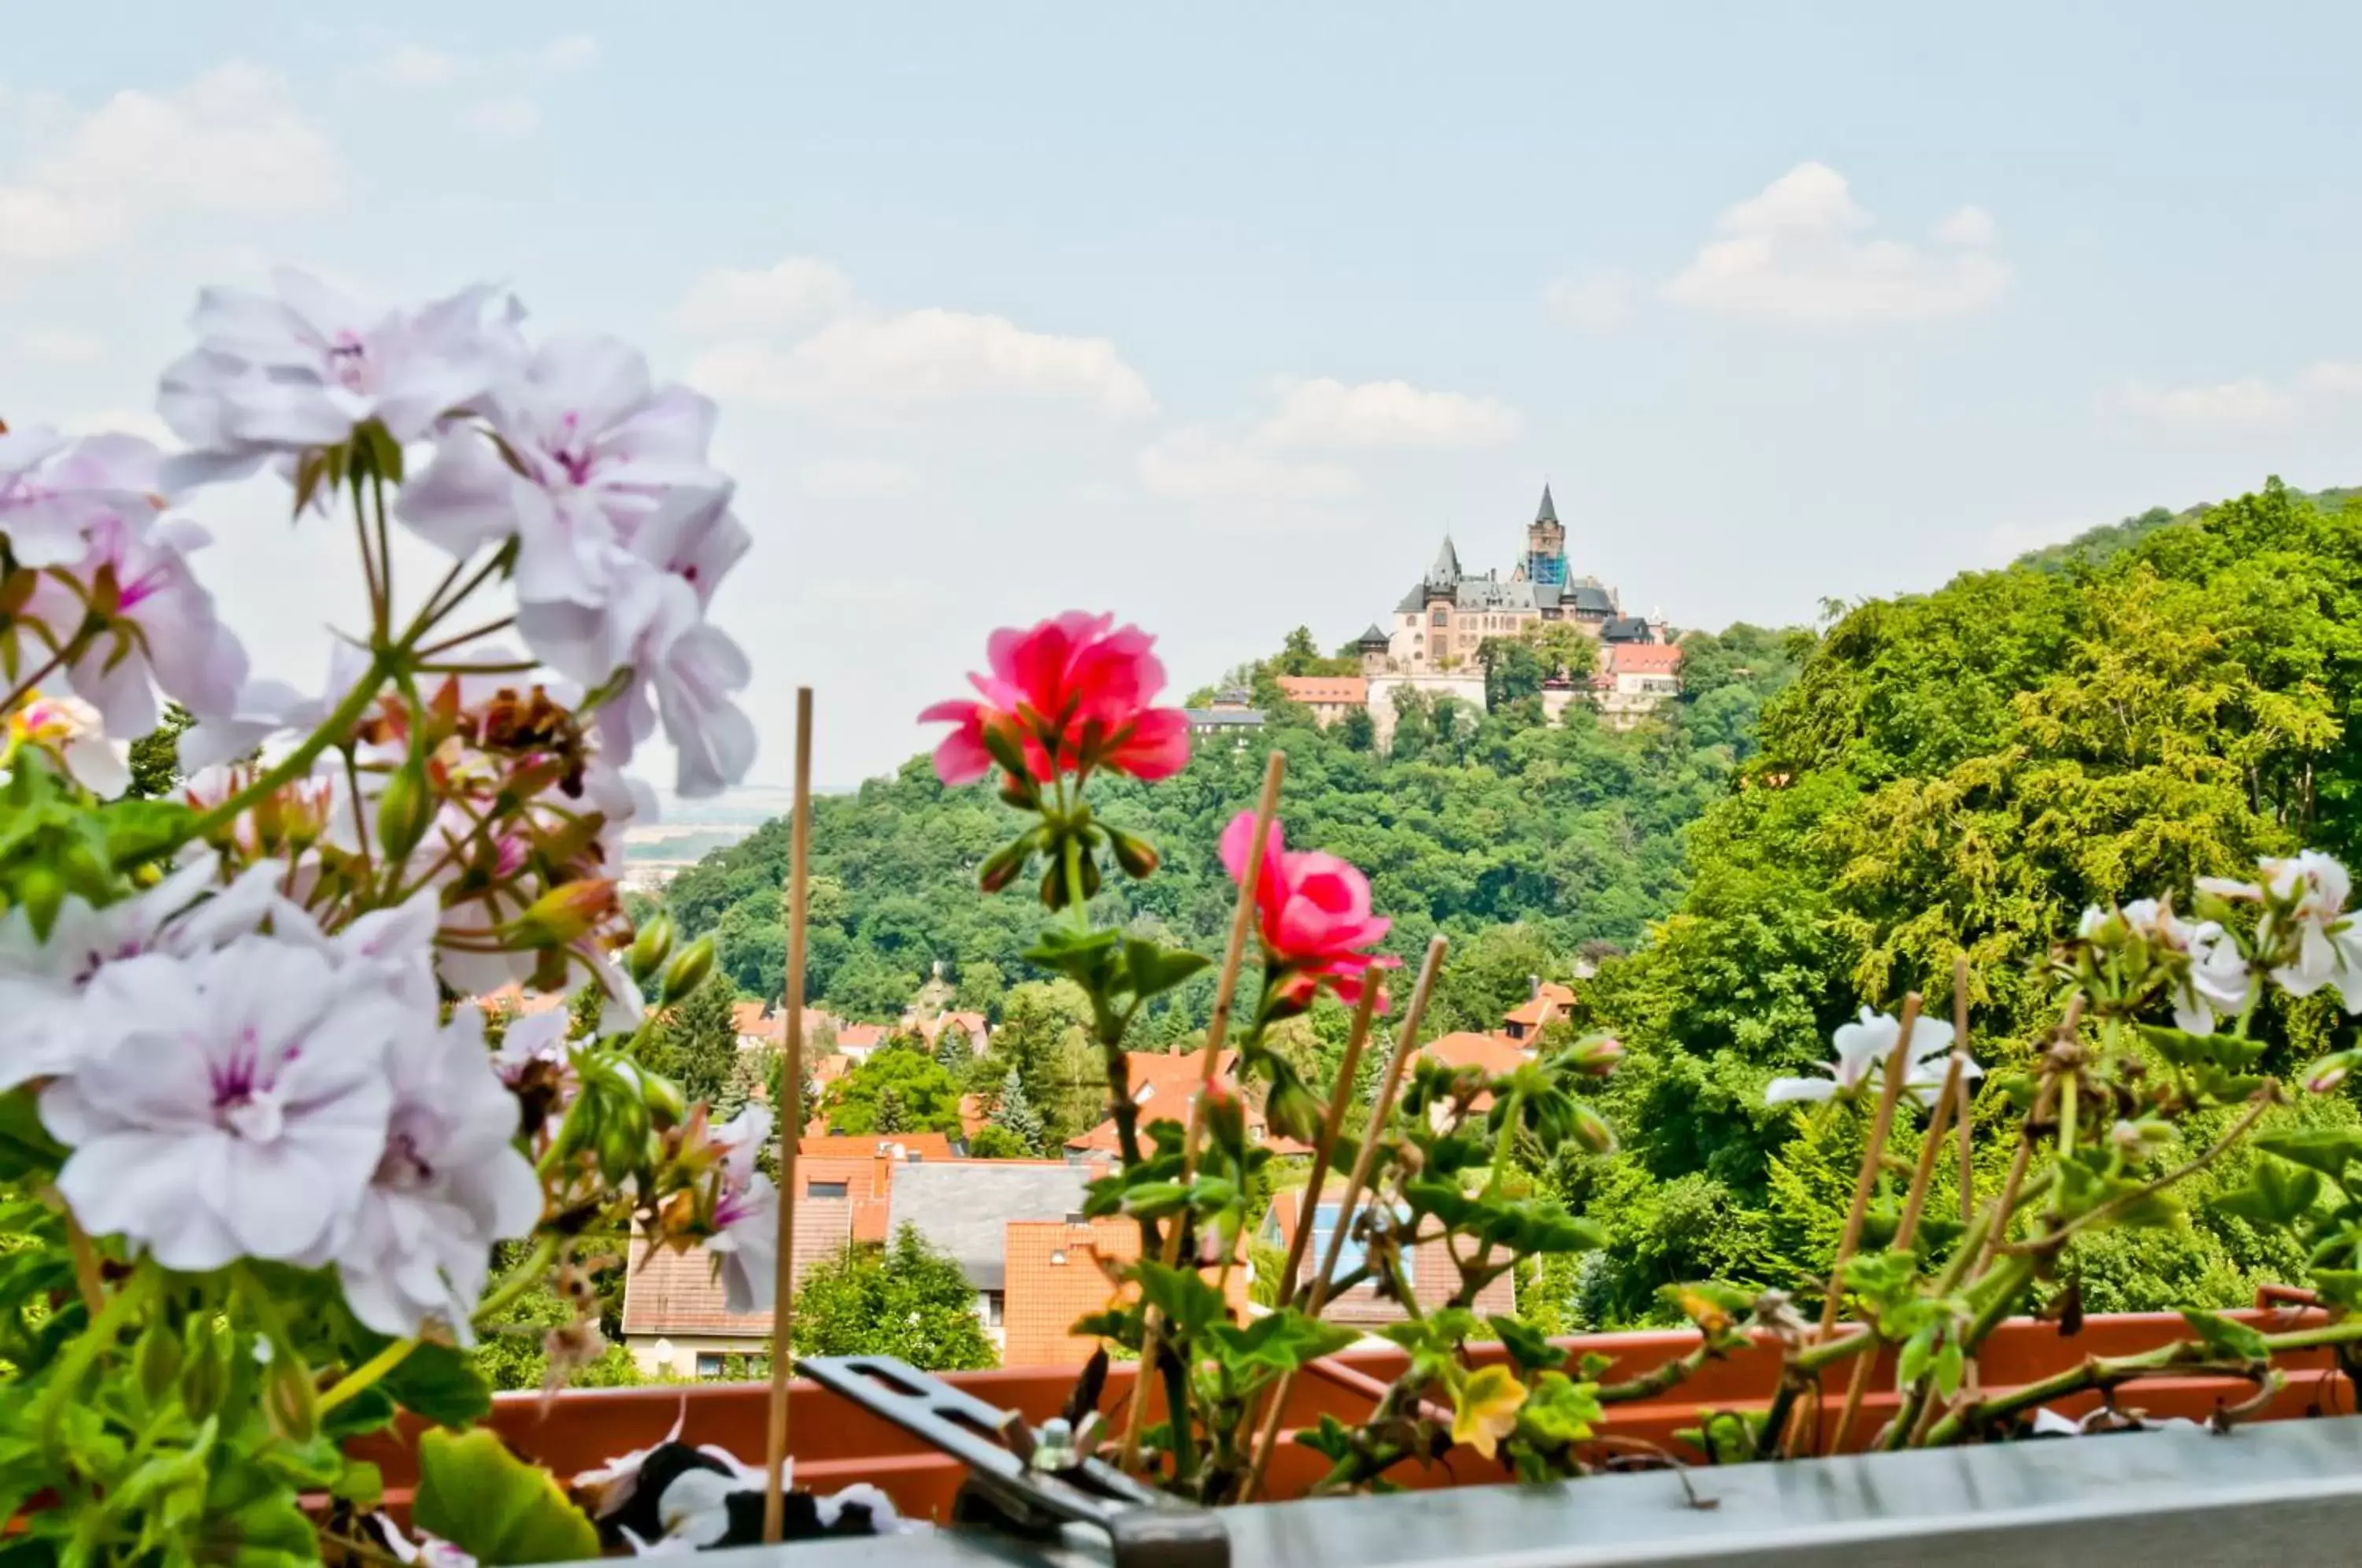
(856, 479)
(1328, 412)
(414, 65)
(796, 293)
(60, 346)
(230, 142)
(512, 116)
(926, 356)
(2247, 402)
(1597, 302)
(1970, 226)
(1797, 252)
(575, 51)
(1197, 464)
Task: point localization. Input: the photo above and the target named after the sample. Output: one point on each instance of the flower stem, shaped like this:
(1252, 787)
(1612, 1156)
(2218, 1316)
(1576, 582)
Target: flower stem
(296, 763)
(519, 1280)
(360, 1379)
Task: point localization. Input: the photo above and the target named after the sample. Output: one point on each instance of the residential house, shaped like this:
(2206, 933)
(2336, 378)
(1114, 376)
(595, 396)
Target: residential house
(1551, 1000)
(677, 1316)
(1428, 1268)
(965, 1208)
(860, 1041)
(1059, 1271)
(1635, 679)
(1232, 714)
(1163, 1085)
(930, 1027)
(755, 1028)
(1331, 697)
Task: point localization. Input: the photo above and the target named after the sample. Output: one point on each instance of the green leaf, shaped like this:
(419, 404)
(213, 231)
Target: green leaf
(1951, 1365)
(2226, 1051)
(1559, 1411)
(1919, 1354)
(1441, 1198)
(1526, 1346)
(2275, 1195)
(1279, 1341)
(440, 1384)
(2223, 1337)
(364, 1412)
(2328, 1150)
(26, 1146)
(1155, 969)
(487, 1502)
(1183, 1296)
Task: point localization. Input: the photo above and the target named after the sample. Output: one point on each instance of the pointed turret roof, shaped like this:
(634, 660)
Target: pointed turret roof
(1446, 569)
(1373, 638)
(1549, 513)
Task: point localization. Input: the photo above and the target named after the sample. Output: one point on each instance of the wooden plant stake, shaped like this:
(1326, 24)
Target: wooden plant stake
(1961, 1123)
(791, 1128)
(1341, 1093)
(1898, 1067)
(1315, 1295)
(1234, 957)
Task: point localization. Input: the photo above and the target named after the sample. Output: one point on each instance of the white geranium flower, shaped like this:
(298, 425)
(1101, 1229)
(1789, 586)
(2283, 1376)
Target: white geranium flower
(1862, 1048)
(70, 731)
(748, 1216)
(53, 488)
(449, 1184)
(588, 450)
(235, 1104)
(2306, 920)
(684, 670)
(163, 632)
(277, 376)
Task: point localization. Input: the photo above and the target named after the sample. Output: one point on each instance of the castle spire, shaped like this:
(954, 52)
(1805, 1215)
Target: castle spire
(1446, 569)
(1548, 512)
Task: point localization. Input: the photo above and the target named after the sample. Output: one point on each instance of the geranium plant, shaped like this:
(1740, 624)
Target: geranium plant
(257, 1154)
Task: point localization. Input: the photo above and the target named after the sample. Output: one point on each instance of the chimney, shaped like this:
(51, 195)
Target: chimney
(1533, 988)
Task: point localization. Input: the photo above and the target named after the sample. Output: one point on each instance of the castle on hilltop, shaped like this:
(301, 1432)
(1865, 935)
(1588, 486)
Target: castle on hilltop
(1450, 612)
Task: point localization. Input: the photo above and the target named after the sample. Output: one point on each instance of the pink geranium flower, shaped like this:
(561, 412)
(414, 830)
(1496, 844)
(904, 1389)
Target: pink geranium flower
(1314, 910)
(1072, 694)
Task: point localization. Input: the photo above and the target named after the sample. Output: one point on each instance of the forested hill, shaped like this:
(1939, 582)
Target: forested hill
(1964, 771)
(2093, 545)
(1571, 836)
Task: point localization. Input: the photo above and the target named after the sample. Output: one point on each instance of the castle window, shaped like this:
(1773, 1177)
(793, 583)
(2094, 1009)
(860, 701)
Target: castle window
(1441, 615)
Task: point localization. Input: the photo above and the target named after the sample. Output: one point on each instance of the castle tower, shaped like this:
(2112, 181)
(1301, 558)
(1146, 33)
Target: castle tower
(1546, 544)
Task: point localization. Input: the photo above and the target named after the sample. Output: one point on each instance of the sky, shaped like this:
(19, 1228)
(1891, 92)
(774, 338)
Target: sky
(1220, 317)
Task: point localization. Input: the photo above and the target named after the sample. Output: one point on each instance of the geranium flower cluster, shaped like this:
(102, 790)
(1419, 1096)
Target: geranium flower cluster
(565, 458)
(233, 1083)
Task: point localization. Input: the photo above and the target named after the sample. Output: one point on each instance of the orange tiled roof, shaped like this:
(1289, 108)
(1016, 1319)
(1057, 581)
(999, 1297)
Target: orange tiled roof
(1549, 1002)
(516, 1002)
(971, 1024)
(867, 1145)
(672, 1292)
(1162, 1085)
(1054, 1276)
(1645, 658)
(971, 1115)
(830, 1068)
(749, 1017)
(860, 1036)
(1353, 690)
(1494, 1053)
(868, 1186)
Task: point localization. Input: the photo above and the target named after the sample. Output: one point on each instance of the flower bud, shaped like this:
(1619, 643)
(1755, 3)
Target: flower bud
(2326, 1076)
(291, 1403)
(40, 892)
(663, 1098)
(1019, 791)
(1597, 1055)
(687, 971)
(1004, 865)
(651, 945)
(405, 810)
(157, 1361)
(1000, 740)
(1136, 855)
(1591, 1130)
(565, 912)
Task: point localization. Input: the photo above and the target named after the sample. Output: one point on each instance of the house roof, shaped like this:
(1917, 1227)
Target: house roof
(748, 1017)
(1446, 569)
(1373, 638)
(965, 1208)
(1351, 689)
(913, 1146)
(1058, 1272)
(1645, 658)
(830, 1068)
(867, 1185)
(1163, 1085)
(1590, 597)
(675, 1292)
(1546, 1002)
(1493, 1054)
(860, 1036)
(1224, 718)
(516, 1002)
(972, 1024)
(1625, 629)
(971, 1115)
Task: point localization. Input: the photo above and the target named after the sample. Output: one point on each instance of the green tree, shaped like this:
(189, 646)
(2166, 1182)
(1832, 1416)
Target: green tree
(696, 1045)
(906, 1300)
(900, 1087)
(156, 756)
(1512, 672)
(981, 986)
(953, 1052)
(1016, 1116)
(996, 1142)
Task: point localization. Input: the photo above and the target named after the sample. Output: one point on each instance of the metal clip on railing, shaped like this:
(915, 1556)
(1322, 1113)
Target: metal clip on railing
(1012, 1490)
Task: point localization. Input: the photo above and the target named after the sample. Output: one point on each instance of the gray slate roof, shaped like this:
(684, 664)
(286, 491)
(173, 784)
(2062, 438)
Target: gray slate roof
(1624, 629)
(1373, 638)
(1224, 718)
(1549, 513)
(1590, 597)
(964, 1207)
